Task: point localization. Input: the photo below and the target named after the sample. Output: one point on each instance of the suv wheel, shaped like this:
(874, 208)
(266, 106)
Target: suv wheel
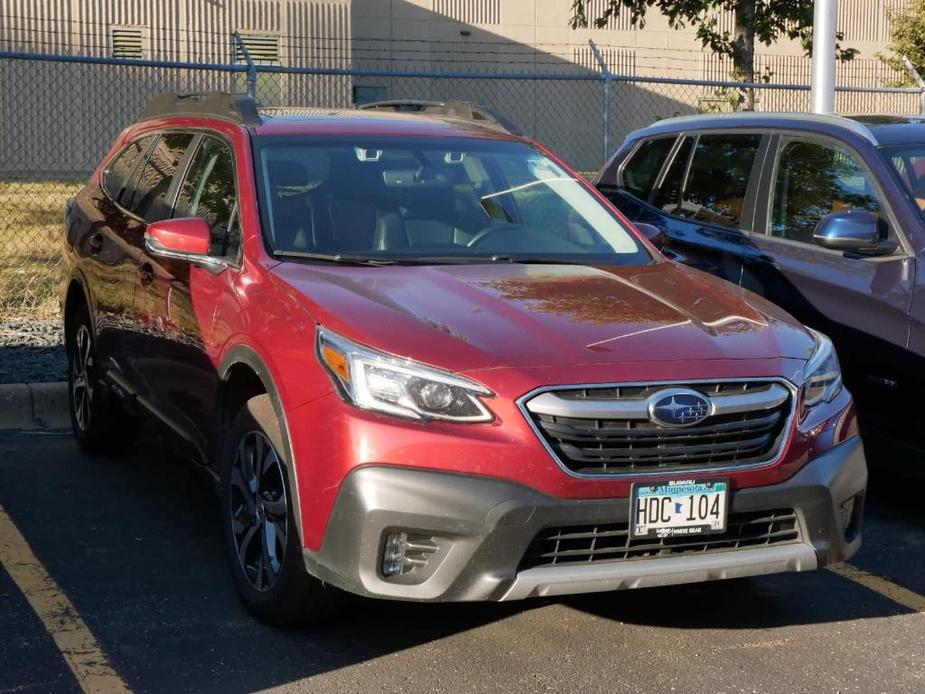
(99, 424)
(259, 519)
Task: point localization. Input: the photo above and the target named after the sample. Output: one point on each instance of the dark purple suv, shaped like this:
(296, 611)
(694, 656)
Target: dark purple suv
(821, 214)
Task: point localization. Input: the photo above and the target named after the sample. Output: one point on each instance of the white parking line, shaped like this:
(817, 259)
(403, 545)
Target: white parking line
(77, 645)
(902, 596)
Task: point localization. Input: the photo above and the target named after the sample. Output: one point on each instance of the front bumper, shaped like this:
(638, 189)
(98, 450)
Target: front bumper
(482, 527)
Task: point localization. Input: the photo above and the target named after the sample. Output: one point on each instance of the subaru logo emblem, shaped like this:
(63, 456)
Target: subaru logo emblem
(679, 407)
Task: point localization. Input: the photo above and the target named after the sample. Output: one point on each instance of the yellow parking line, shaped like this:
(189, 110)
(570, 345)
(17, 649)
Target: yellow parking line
(76, 643)
(903, 596)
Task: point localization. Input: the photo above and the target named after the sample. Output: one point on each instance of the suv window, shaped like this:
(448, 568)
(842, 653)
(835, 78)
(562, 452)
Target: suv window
(208, 191)
(668, 194)
(640, 172)
(120, 168)
(149, 198)
(812, 180)
(718, 178)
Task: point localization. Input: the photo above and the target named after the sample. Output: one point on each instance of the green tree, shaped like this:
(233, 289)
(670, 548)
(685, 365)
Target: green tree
(764, 21)
(907, 39)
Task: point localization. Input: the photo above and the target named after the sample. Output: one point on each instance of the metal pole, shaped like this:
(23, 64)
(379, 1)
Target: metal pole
(825, 18)
(251, 66)
(918, 80)
(607, 76)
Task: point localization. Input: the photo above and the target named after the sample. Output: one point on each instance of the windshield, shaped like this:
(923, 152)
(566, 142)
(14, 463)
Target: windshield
(909, 163)
(431, 200)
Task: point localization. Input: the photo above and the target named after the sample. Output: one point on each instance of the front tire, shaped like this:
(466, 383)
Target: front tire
(100, 425)
(262, 538)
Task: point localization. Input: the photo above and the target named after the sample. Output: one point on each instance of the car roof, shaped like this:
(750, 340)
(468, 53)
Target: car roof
(409, 118)
(875, 129)
(894, 130)
(322, 121)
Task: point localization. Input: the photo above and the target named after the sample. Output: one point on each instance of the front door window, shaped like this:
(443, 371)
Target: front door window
(815, 179)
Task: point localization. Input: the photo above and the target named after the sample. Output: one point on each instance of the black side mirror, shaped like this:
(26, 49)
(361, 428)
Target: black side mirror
(654, 235)
(855, 230)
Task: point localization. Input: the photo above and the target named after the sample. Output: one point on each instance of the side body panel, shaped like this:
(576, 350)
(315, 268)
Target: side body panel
(106, 245)
(862, 303)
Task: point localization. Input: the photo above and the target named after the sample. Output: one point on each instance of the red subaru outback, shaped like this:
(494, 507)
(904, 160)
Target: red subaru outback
(424, 360)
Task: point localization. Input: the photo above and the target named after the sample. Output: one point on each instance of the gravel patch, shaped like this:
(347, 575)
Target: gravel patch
(32, 351)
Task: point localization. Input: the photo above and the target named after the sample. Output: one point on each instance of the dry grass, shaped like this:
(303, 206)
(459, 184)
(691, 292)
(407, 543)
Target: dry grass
(31, 244)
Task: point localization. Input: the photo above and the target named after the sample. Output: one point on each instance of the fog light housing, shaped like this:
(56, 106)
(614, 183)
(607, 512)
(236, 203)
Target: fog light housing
(847, 513)
(393, 555)
(403, 552)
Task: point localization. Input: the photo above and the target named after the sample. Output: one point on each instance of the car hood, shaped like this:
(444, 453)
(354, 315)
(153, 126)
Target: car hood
(470, 317)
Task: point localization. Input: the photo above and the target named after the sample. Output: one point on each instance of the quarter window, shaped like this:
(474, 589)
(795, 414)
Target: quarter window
(813, 180)
(117, 174)
(149, 199)
(718, 179)
(209, 192)
(642, 169)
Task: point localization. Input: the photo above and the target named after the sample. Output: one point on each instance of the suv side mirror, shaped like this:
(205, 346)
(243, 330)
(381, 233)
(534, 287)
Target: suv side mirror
(187, 238)
(654, 235)
(855, 230)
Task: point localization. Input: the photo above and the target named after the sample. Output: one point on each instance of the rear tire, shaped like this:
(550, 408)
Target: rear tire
(258, 516)
(99, 423)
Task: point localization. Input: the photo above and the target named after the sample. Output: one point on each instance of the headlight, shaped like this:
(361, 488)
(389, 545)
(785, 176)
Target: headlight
(822, 375)
(376, 381)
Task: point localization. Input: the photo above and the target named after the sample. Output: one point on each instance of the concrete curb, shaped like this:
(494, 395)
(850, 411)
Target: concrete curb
(34, 406)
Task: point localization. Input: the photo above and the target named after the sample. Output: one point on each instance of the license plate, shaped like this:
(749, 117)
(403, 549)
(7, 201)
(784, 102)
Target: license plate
(678, 508)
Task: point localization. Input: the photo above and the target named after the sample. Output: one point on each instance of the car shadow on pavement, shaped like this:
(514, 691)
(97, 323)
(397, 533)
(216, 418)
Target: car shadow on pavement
(135, 544)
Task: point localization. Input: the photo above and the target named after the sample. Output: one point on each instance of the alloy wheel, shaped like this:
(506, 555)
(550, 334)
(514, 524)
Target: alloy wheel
(82, 377)
(259, 510)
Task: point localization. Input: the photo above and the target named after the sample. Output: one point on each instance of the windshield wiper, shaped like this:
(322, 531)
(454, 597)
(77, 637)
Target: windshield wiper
(483, 259)
(348, 259)
(340, 258)
(530, 260)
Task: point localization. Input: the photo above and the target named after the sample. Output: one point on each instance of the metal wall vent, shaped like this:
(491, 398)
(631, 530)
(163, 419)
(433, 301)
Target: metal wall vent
(263, 48)
(127, 42)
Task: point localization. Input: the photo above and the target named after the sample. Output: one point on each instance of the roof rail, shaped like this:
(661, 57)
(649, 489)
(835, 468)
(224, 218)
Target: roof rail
(455, 109)
(238, 108)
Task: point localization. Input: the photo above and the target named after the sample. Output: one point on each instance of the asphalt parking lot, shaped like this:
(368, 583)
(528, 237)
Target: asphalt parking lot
(132, 547)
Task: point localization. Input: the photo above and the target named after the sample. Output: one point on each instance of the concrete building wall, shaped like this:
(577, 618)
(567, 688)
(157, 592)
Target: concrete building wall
(422, 34)
(61, 117)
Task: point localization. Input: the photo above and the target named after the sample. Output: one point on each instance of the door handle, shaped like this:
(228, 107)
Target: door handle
(769, 260)
(146, 274)
(96, 243)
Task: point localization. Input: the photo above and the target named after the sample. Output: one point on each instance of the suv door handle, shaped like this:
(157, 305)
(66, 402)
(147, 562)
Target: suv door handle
(770, 260)
(96, 243)
(146, 274)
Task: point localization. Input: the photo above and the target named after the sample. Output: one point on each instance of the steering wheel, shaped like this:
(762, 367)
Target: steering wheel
(490, 231)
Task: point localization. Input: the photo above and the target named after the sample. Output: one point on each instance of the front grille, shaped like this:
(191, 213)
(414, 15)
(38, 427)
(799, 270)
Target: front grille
(621, 443)
(611, 541)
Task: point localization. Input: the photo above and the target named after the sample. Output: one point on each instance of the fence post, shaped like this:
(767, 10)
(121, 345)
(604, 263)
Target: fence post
(918, 80)
(251, 66)
(607, 77)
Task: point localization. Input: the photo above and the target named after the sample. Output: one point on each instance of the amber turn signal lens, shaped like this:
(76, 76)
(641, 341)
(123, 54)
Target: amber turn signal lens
(336, 361)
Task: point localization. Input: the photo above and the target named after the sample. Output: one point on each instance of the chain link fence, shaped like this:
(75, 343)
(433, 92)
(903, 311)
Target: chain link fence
(60, 114)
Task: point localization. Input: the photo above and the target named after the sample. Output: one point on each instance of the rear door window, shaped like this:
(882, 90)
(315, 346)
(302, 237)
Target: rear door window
(149, 197)
(667, 196)
(717, 182)
(813, 179)
(642, 169)
(208, 191)
(119, 170)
